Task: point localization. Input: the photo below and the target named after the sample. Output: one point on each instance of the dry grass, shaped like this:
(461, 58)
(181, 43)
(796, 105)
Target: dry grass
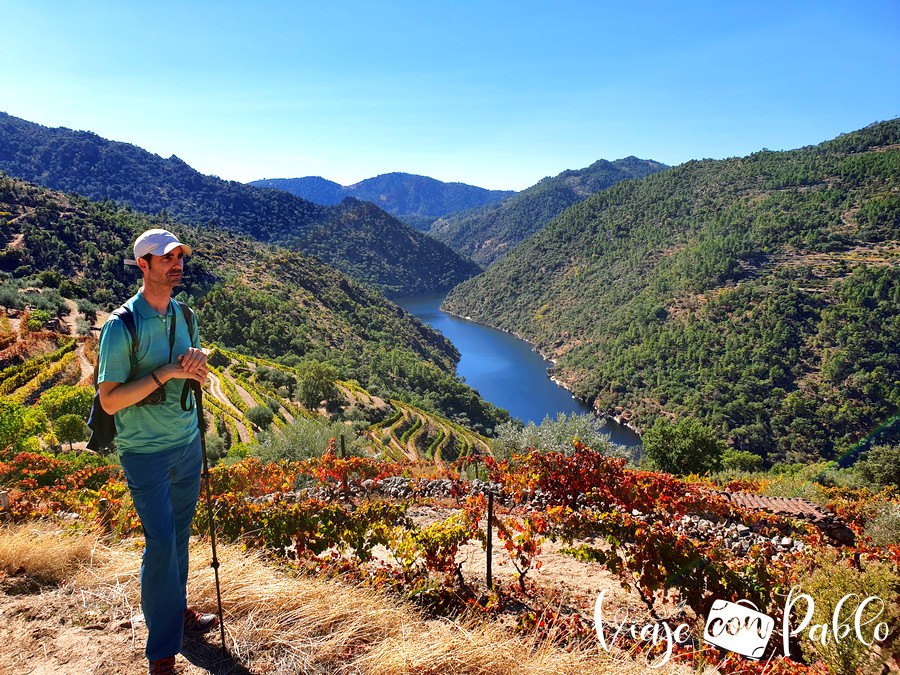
(43, 552)
(278, 623)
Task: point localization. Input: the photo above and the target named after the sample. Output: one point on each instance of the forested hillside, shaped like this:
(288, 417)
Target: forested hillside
(254, 298)
(416, 200)
(490, 232)
(356, 238)
(759, 294)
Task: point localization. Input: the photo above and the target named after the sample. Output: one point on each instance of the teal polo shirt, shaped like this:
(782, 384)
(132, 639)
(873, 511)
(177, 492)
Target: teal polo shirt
(148, 428)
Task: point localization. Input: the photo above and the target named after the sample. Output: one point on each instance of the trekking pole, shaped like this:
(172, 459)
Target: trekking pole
(201, 423)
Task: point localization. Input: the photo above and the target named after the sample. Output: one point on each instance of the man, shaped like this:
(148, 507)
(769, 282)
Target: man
(158, 440)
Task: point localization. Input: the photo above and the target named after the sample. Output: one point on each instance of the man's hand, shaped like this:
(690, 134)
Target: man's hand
(193, 365)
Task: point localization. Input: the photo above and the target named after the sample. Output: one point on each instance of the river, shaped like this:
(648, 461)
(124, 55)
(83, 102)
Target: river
(504, 369)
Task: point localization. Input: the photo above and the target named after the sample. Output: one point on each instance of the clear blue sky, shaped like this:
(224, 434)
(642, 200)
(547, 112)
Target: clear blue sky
(496, 94)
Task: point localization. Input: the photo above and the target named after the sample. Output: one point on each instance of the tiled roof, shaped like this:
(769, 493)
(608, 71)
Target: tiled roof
(794, 507)
(782, 506)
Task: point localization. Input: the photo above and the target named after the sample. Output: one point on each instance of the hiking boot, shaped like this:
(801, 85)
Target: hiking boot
(164, 666)
(197, 623)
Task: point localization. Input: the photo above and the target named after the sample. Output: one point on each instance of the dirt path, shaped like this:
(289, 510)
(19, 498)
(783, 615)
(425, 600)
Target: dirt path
(69, 319)
(87, 368)
(215, 388)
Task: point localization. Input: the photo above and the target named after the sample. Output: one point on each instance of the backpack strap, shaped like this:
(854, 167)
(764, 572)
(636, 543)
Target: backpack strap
(189, 320)
(127, 318)
(187, 403)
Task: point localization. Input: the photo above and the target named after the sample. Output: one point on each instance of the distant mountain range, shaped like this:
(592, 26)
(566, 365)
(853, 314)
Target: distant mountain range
(354, 236)
(255, 298)
(416, 200)
(489, 232)
(758, 294)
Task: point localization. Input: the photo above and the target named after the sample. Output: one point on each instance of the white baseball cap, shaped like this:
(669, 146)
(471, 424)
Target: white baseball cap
(157, 242)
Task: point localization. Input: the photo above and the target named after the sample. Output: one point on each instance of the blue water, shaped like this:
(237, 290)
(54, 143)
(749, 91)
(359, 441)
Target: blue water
(504, 369)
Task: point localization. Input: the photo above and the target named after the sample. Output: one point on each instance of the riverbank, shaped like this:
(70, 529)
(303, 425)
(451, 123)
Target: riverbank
(509, 371)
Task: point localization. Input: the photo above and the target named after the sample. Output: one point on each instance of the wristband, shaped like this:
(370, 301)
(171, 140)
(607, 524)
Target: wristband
(155, 378)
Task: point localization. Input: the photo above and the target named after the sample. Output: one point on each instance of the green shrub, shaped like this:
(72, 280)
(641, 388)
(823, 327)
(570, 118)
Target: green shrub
(39, 318)
(740, 460)
(20, 426)
(260, 416)
(217, 359)
(274, 378)
(50, 278)
(834, 580)
(82, 326)
(67, 399)
(88, 309)
(215, 448)
(880, 466)
(316, 382)
(683, 447)
(884, 528)
(306, 438)
(551, 435)
(71, 429)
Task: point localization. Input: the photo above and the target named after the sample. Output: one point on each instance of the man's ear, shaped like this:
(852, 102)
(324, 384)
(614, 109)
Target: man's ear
(143, 264)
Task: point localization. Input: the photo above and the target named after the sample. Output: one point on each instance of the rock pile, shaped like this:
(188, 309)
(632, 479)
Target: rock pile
(735, 536)
(830, 525)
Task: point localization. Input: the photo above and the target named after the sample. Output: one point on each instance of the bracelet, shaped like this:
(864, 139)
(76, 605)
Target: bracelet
(155, 378)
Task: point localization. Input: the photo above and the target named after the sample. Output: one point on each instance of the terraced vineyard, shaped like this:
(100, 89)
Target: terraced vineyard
(414, 435)
(33, 362)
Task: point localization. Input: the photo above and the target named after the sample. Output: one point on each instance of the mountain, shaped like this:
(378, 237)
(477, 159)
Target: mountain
(758, 294)
(254, 298)
(354, 237)
(313, 188)
(488, 233)
(416, 200)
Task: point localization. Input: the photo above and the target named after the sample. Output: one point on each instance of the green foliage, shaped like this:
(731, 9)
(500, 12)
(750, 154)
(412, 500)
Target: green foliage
(743, 292)
(71, 428)
(880, 466)
(39, 319)
(215, 448)
(884, 528)
(19, 425)
(274, 378)
(740, 460)
(316, 382)
(217, 359)
(50, 278)
(260, 416)
(684, 447)
(88, 309)
(306, 438)
(559, 435)
(836, 579)
(67, 400)
(82, 326)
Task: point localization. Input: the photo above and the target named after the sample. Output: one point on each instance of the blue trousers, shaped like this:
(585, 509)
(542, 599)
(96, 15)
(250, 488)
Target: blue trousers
(165, 487)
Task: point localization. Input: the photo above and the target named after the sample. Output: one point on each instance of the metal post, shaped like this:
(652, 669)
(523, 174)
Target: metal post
(490, 526)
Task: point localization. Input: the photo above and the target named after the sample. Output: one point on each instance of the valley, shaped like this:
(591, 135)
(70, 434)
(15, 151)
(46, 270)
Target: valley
(741, 313)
